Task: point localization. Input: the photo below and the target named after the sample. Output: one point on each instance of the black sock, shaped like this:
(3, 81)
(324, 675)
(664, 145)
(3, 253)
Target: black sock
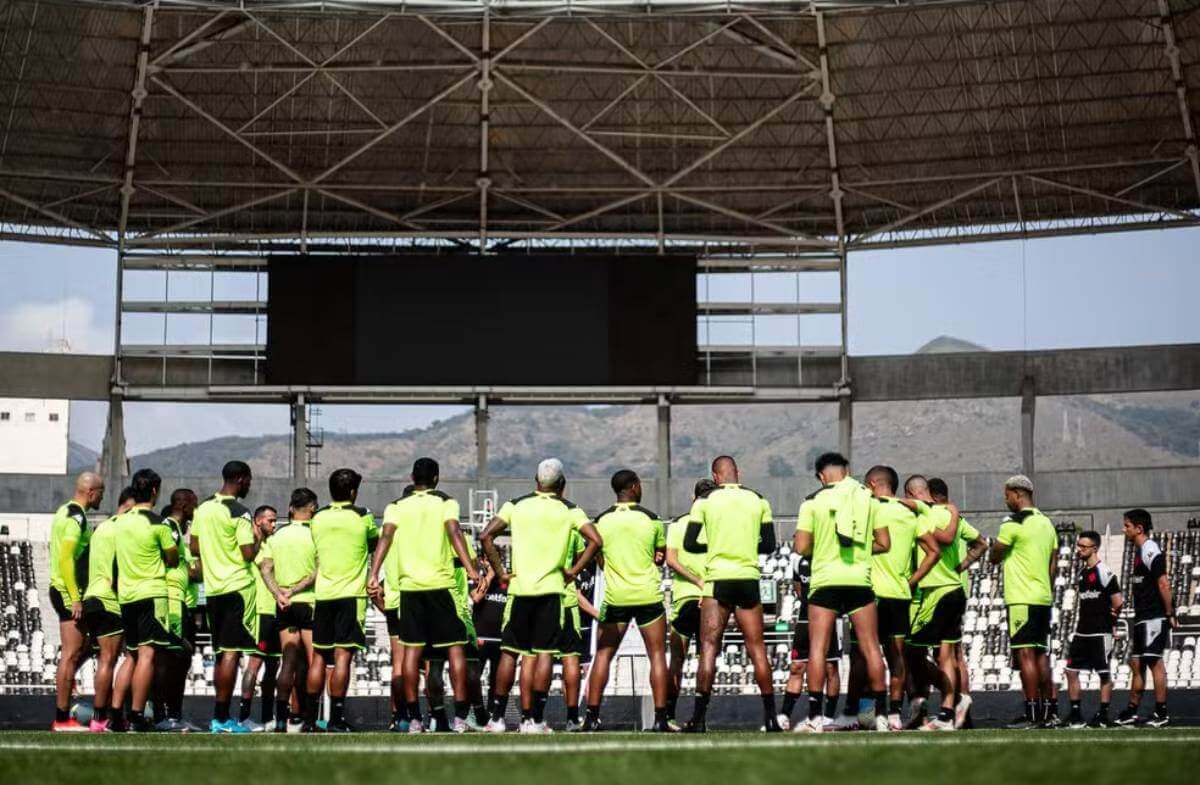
(700, 706)
(768, 705)
(1076, 707)
(1031, 710)
(137, 716)
(1160, 709)
(159, 709)
(593, 712)
(526, 714)
(946, 715)
(481, 715)
(660, 716)
(1103, 710)
(539, 705)
(401, 712)
(244, 709)
(831, 703)
(881, 704)
(311, 705)
(572, 714)
(175, 707)
(438, 713)
(461, 709)
(789, 703)
(497, 706)
(114, 715)
(281, 710)
(816, 704)
(1051, 708)
(414, 711)
(672, 705)
(266, 711)
(61, 715)
(337, 709)
(221, 711)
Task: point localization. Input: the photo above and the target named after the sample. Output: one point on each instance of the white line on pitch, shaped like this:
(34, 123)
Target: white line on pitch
(399, 747)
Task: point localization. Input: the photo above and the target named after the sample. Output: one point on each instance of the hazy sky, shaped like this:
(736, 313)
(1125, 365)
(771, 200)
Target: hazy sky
(1104, 290)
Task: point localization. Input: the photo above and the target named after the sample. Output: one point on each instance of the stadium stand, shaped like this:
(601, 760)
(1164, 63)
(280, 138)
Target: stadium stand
(30, 632)
(21, 621)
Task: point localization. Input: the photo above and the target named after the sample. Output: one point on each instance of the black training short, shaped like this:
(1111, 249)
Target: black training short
(61, 609)
(532, 624)
(295, 617)
(687, 619)
(392, 617)
(742, 594)
(643, 615)
(943, 623)
(338, 624)
(430, 618)
(145, 623)
(1151, 637)
(570, 639)
(1029, 627)
(842, 600)
(800, 644)
(268, 636)
(99, 621)
(1090, 653)
(233, 621)
(893, 617)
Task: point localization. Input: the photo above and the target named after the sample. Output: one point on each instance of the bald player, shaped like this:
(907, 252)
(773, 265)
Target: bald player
(737, 525)
(69, 535)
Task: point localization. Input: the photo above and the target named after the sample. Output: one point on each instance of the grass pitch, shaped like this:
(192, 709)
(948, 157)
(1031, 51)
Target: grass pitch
(1024, 757)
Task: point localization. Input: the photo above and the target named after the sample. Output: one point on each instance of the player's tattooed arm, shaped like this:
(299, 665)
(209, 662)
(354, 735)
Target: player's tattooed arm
(487, 541)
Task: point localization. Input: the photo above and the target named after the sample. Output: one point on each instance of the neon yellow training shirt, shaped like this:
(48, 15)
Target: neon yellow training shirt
(631, 534)
(1031, 542)
(142, 538)
(832, 563)
(541, 525)
(423, 555)
(692, 562)
(223, 525)
(731, 517)
(342, 535)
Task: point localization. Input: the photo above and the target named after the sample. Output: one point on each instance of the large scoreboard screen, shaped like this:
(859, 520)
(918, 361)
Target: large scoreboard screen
(491, 320)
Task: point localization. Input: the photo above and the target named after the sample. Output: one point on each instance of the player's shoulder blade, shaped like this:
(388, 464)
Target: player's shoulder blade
(526, 497)
(608, 511)
(815, 493)
(651, 514)
(236, 508)
(751, 490)
(1019, 517)
(1150, 550)
(361, 512)
(153, 518)
(440, 495)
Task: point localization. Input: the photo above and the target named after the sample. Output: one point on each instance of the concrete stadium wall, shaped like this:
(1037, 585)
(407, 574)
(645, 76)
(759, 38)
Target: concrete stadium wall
(1104, 492)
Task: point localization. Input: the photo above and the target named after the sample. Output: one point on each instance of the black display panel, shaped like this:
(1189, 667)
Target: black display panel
(494, 320)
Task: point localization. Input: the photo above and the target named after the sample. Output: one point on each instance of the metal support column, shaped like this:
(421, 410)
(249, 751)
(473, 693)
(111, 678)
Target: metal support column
(664, 457)
(1028, 406)
(299, 441)
(113, 466)
(481, 443)
(845, 425)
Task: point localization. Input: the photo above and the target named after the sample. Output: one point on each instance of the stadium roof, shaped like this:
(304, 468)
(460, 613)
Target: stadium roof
(797, 125)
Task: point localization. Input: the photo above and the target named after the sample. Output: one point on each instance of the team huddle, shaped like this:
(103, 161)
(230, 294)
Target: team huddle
(290, 599)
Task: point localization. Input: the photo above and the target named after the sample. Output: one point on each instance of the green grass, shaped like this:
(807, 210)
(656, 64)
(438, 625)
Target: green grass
(1026, 758)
